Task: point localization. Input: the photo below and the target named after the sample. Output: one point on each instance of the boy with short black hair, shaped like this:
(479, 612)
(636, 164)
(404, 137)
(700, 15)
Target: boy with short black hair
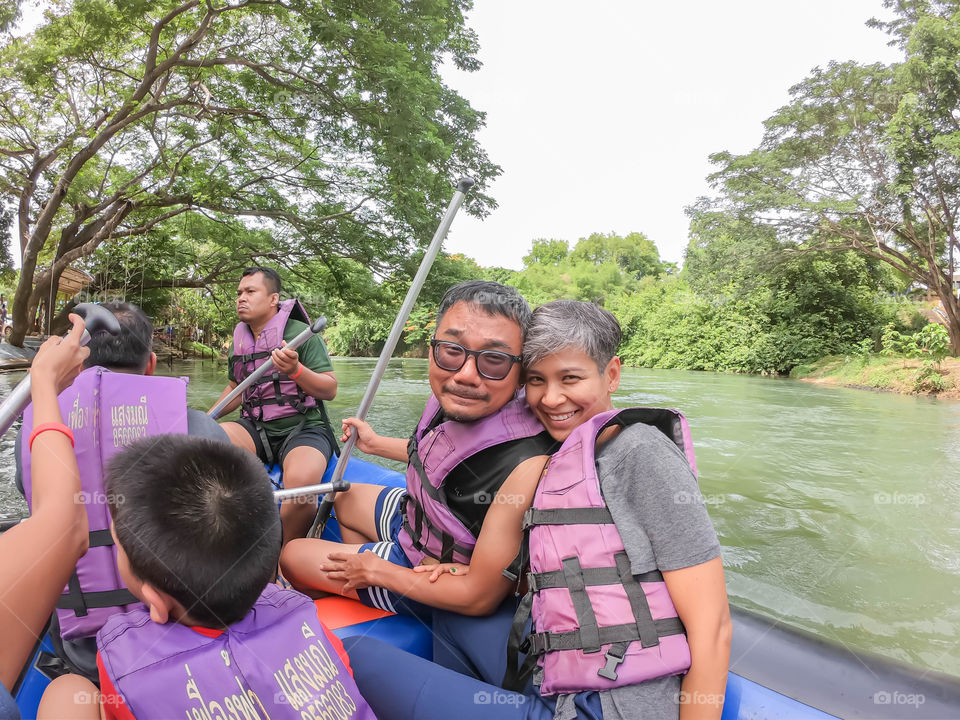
(198, 540)
(185, 513)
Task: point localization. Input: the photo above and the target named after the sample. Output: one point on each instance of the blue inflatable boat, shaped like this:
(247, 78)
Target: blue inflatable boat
(776, 672)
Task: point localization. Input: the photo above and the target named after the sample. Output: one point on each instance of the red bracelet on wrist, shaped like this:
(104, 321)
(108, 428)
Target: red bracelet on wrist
(58, 427)
(297, 373)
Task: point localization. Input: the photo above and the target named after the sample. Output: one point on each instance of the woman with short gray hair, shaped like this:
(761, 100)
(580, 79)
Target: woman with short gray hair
(607, 503)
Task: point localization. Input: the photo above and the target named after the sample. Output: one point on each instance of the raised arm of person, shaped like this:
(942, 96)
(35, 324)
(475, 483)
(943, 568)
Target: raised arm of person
(475, 590)
(369, 442)
(38, 555)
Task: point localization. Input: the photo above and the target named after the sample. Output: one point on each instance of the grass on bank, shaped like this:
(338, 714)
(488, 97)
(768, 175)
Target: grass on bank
(199, 349)
(896, 374)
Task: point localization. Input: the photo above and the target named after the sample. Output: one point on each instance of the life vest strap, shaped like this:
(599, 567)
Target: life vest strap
(294, 401)
(81, 602)
(251, 357)
(437, 494)
(567, 516)
(516, 675)
(591, 577)
(421, 519)
(586, 619)
(610, 634)
(101, 538)
(638, 602)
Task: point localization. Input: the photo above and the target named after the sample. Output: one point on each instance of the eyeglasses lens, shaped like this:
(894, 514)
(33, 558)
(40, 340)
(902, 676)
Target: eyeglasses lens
(449, 356)
(491, 364)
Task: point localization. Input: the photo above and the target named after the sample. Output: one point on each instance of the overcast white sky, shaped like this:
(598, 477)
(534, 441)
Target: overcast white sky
(602, 114)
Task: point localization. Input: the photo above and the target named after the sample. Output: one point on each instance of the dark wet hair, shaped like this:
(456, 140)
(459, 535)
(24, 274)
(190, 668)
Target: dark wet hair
(270, 277)
(130, 350)
(492, 297)
(196, 519)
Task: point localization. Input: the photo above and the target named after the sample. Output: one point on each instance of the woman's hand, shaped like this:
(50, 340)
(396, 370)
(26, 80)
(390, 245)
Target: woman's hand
(438, 569)
(60, 360)
(357, 570)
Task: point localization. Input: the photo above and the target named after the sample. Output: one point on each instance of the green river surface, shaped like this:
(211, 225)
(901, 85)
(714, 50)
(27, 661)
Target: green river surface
(838, 509)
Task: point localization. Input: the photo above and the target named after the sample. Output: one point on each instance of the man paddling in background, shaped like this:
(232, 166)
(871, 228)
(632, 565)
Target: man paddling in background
(475, 433)
(283, 419)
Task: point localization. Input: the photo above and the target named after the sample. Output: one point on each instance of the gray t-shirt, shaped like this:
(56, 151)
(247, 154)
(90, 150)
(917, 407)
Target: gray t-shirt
(199, 424)
(656, 503)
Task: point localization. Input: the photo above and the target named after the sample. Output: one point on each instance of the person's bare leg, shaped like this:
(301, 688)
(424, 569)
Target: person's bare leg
(70, 697)
(355, 509)
(239, 436)
(303, 465)
(300, 563)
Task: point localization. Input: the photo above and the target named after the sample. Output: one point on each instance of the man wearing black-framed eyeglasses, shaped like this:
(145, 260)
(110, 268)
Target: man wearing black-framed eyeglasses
(491, 364)
(475, 440)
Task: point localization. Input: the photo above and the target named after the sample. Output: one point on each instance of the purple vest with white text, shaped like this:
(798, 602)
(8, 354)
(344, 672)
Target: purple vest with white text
(276, 662)
(430, 528)
(596, 625)
(106, 412)
(275, 395)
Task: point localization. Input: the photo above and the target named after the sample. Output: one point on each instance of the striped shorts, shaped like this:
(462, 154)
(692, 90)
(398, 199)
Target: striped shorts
(389, 519)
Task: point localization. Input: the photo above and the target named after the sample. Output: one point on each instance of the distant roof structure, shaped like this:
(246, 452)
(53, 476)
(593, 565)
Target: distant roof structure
(73, 281)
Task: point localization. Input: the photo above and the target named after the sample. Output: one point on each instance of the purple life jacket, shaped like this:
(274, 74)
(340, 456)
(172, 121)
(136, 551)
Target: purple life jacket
(106, 412)
(429, 526)
(276, 662)
(274, 395)
(595, 625)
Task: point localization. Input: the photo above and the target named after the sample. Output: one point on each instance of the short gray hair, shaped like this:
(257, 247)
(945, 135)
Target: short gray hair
(563, 324)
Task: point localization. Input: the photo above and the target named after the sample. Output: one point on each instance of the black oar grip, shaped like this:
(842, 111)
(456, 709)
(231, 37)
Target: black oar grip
(97, 319)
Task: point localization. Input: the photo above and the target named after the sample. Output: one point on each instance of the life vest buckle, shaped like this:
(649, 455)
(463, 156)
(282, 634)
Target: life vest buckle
(539, 643)
(609, 671)
(527, 519)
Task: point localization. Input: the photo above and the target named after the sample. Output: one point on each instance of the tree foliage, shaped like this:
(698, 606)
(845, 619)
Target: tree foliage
(867, 157)
(599, 266)
(742, 304)
(324, 125)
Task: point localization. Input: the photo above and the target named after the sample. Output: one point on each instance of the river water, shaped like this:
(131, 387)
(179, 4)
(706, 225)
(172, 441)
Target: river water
(838, 509)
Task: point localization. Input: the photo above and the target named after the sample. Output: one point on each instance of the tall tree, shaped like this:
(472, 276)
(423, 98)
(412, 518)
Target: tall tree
(325, 124)
(546, 252)
(634, 252)
(867, 157)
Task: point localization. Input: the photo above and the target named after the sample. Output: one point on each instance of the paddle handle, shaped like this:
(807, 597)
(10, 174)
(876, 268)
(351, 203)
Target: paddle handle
(323, 512)
(319, 489)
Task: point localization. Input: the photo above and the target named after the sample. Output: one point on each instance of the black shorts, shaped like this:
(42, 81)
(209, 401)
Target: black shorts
(315, 436)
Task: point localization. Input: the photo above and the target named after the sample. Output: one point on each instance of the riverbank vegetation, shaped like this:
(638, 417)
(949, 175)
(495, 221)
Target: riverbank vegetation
(907, 363)
(901, 375)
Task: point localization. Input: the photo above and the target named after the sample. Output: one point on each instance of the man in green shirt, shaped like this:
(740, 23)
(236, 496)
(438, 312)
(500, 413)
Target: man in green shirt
(283, 419)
